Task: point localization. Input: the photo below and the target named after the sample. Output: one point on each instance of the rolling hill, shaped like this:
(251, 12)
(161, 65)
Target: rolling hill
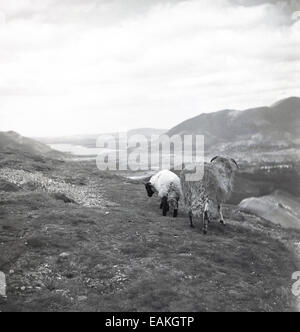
(13, 142)
(273, 132)
(19, 151)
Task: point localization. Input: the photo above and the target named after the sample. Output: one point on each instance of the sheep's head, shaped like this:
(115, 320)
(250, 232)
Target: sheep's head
(229, 164)
(149, 189)
(222, 175)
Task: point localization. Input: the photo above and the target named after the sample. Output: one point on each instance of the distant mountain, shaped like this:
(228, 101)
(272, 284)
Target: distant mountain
(11, 142)
(148, 132)
(269, 131)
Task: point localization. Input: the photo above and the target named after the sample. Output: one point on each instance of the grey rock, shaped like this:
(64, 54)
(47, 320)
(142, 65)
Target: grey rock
(63, 197)
(2, 284)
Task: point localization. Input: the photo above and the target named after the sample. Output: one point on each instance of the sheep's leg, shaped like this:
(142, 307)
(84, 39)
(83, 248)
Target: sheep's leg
(161, 204)
(165, 210)
(191, 219)
(205, 222)
(165, 206)
(175, 213)
(222, 221)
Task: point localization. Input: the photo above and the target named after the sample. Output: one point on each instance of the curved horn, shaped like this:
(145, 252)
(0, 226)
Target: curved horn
(235, 163)
(214, 159)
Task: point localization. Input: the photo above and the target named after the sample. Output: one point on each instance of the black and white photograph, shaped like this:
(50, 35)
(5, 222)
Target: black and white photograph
(149, 158)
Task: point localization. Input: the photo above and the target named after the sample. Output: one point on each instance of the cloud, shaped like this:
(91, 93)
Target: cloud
(107, 66)
(88, 12)
(285, 5)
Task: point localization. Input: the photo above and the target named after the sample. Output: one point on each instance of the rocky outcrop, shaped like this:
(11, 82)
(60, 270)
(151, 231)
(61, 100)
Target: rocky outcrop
(2, 285)
(62, 197)
(280, 208)
(89, 195)
(8, 187)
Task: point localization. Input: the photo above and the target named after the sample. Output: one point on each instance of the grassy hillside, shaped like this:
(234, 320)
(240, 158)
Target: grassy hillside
(121, 254)
(11, 142)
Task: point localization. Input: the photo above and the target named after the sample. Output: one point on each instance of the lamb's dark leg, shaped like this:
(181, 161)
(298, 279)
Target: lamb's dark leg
(161, 204)
(165, 206)
(175, 213)
(222, 221)
(205, 222)
(191, 219)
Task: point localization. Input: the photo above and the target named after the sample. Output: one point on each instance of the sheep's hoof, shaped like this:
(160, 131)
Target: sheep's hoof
(192, 226)
(204, 231)
(222, 222)
(175, 214)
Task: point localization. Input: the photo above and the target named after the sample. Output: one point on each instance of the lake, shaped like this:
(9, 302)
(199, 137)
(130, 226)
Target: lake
(79, 150)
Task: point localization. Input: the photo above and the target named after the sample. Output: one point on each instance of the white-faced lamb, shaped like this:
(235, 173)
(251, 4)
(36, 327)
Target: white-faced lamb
(203, 198)
(168, 187)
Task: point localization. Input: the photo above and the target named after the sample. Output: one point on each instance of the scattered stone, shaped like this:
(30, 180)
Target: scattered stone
(235, 294)
(23, 288)
(63, 256)
(2, 285)
(82, 298)
(111, 204)
(185, 254)
(8, 187)
(238, 216)
(88, 196)
(63, 197)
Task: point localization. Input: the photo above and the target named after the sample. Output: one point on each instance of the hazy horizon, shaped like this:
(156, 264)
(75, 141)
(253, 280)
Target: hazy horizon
(96, 66)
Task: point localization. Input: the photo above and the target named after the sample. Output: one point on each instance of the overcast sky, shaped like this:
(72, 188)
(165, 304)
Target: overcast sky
(92, 66)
